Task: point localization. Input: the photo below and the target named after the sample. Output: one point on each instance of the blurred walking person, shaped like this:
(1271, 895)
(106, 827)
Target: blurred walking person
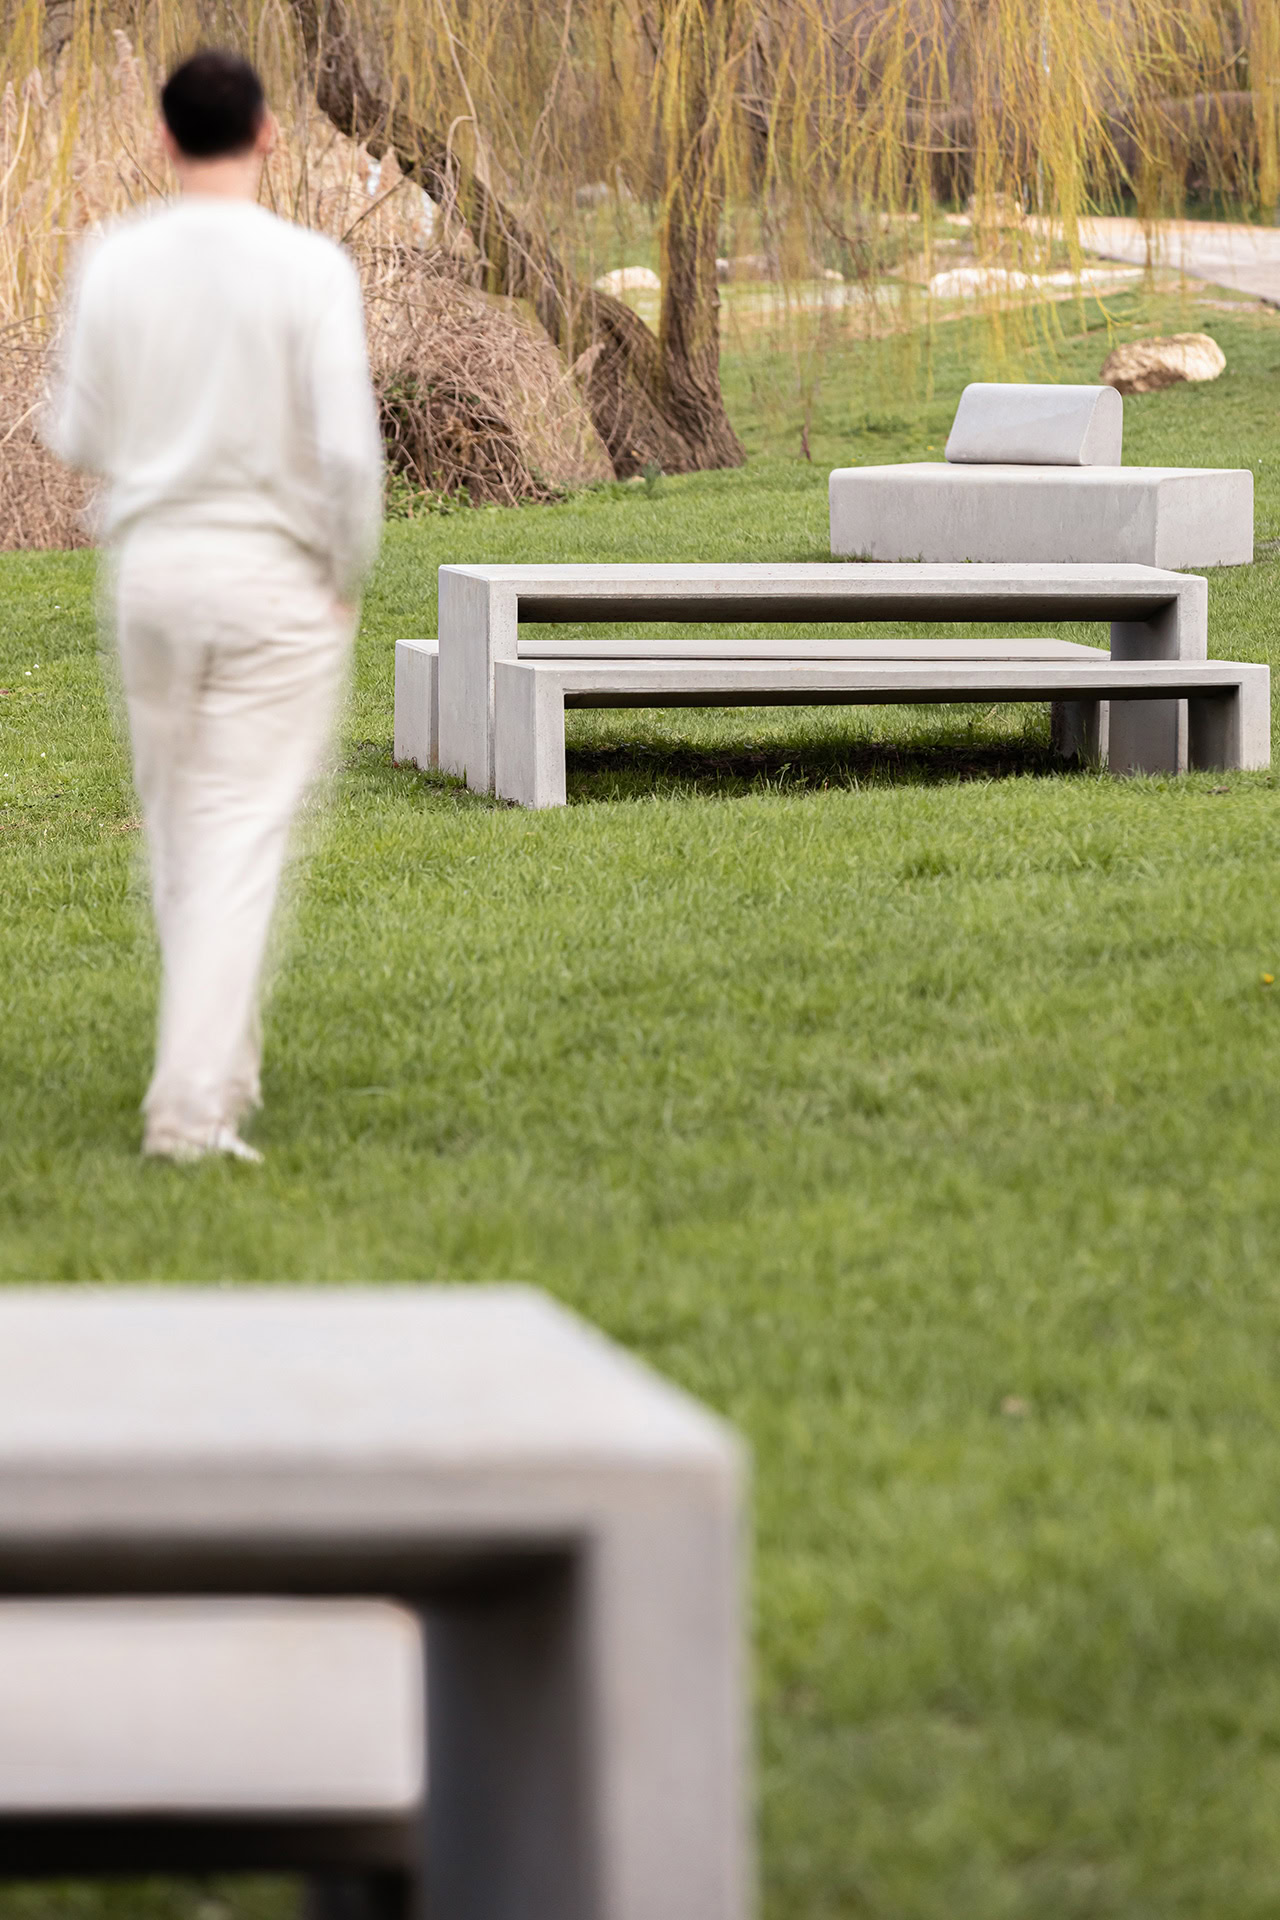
(215, 375)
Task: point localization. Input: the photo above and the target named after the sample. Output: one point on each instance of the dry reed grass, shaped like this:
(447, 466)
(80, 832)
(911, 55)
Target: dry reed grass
(42, 503)
(475, 399)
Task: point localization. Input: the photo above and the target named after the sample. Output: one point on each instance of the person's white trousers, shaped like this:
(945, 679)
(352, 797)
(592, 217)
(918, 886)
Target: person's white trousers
(232, 653)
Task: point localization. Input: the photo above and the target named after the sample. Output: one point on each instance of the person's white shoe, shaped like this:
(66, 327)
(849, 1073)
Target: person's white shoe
(227, 1141)
(183, 1148)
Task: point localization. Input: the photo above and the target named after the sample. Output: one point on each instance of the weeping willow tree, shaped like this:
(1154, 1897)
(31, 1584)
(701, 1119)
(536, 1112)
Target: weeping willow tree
(819, 125)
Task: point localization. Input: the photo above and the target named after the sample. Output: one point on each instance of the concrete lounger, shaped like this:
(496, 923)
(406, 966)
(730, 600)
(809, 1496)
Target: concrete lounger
(1229, 705)
(568, 1527)
(1032, 473)
(935, 511)
(1153, 614)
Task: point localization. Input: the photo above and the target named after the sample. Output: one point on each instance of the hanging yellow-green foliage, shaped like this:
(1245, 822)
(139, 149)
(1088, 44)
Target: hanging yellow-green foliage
(813, 148)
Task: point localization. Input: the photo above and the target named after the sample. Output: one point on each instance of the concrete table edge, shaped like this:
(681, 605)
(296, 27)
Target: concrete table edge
(1152, 611)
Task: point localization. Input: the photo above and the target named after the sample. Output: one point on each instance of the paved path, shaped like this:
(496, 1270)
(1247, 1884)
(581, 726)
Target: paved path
(1246, 259)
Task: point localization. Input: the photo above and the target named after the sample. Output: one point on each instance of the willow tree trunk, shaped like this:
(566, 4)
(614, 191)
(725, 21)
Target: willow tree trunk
(1264, 75)
(654, 402)
(695, 105)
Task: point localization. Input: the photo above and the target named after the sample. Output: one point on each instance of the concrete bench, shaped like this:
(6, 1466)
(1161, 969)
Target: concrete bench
(567, 1527)
(1229, 705)
(1152, 614)
(416, 736)
(1033, 473)
(215, 1735)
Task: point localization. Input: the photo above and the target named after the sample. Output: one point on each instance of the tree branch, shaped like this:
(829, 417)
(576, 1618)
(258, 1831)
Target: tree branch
(625, 390)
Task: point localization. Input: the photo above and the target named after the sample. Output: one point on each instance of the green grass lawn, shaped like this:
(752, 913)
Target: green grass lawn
(914, 1104)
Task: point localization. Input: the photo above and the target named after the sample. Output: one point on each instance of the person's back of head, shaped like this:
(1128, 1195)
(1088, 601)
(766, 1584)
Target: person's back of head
(213, 105)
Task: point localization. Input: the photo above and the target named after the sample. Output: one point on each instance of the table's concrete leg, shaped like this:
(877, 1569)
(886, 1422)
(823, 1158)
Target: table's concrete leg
(670, 1742)
(1079, 729)
(586, 1747)
(1233, 729)
(478, 626)
(1150, 736)
(528, 737)
(509, 1832)
(416, 738)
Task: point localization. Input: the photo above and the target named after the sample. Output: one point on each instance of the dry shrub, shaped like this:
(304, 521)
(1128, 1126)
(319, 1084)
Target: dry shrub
(42, 503)
(475, 400)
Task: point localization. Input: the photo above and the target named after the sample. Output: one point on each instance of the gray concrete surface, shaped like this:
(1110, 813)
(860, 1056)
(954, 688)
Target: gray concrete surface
(1017, 423)
(1228, 704)
(208, 1736)
(569, 1526)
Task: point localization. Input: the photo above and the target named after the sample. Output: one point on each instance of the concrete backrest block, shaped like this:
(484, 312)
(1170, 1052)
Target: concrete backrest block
(1037, 426)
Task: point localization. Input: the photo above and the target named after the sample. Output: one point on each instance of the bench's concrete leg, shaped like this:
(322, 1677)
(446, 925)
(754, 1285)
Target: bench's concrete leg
(586, 1735)
(1150, 736)
(528, 737)
(1078, 730)
(357, 1896)
(1233, 729)
(478, 626)
(417, 710)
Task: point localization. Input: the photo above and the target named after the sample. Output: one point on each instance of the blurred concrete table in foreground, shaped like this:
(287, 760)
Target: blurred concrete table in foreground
(568, 1525)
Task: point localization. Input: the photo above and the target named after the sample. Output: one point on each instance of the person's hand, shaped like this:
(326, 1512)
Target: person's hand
(344, 613)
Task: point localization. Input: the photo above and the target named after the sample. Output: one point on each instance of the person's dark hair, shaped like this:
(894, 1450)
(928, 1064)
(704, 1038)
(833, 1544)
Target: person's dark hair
(213, 104)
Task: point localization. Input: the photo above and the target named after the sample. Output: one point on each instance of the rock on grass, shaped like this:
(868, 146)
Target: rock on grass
(1143, 366)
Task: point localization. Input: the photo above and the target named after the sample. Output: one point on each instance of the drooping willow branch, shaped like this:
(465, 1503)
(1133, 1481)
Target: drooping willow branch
(650, 407)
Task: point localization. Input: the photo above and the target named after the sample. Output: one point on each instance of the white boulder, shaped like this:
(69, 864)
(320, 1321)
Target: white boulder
(629, 280)
(970, 283)
(748, 266)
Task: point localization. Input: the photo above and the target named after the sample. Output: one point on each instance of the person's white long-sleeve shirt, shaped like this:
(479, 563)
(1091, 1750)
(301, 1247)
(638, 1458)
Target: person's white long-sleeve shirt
(214, 373)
